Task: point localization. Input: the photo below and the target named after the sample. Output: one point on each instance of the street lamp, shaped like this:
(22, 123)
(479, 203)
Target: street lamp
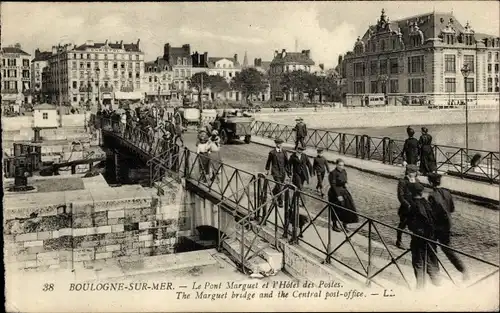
(98, 72)
(465, 72)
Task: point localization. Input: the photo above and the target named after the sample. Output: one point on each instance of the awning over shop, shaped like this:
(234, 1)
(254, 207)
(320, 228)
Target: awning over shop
(135, 95)
(107, 96)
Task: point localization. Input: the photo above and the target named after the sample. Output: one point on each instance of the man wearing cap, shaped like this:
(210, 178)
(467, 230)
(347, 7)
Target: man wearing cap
(442, 204)
(422, 222)
(404, 197)
(300, 132)
(320, 167)
(299, 167)
(277, 162)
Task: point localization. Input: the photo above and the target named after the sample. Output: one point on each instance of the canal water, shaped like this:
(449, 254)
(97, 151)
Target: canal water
(481, 136)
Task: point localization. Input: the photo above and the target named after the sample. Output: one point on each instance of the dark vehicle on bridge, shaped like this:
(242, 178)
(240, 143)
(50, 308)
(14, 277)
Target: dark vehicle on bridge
(234, 125)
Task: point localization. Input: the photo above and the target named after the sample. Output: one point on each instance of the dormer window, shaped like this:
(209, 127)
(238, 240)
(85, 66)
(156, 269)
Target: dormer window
(179, 61)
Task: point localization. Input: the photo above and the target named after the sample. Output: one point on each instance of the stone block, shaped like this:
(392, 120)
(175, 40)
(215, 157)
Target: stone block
(80, 231)
(65, 232)
(82, 207)
(27, 237)
(55, 234)
(116, 214)
(48, 255)
(139, 244)
(112, 221)
(47, 262)
(117, 228)
(30, 264)
(103, 229)
(134, 251)
(83, 255)
(148, 243)
(35, 243)
(44, 235)
(100, 249)
(118, 253)
(89, 244)
(145, 237)
(145, 225)
(91, 231)
(146, 251)
(66, 256)
(110, 248)
(82, 221)
(22, 257)
(103, 255)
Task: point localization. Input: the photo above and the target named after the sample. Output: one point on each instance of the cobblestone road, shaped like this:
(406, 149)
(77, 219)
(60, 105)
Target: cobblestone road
(376, 197)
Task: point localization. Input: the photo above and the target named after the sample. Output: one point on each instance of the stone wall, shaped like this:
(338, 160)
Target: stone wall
(78, 227)
(332, 119)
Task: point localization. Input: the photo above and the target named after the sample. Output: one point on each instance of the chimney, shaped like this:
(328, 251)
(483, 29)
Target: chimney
(307, 53)
(235, 58)
(121, 44)
(205, 59)
(54, 50)
(186, 48)
(37, 53)
(275, 53)
(106, 42)
(255, 62)
(283, 53)
(138, 42)
(322, 66)
(166, 51)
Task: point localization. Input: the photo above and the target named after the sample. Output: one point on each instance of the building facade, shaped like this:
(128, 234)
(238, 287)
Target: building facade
(96, 73)
(158, 81)
(180, 62)
(282, 63)
(264, 68)
(16, 76)
(227, 68)
(38, 64)
(418, 60)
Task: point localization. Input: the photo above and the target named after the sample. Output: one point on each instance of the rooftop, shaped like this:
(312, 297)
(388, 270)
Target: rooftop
(13, 50)
(213, 60)
(293, 57)
(129, 47)
(42, 56)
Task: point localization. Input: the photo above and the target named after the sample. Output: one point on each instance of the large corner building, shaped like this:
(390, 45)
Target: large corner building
(420, 58)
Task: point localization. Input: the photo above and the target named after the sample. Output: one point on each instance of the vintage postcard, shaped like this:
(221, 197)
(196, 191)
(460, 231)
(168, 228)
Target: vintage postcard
(250, 156)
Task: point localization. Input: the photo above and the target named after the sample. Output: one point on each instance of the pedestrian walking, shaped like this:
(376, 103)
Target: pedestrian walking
(421, 222)
(179, 130)
(442, 204)
(404, 197)
(410, 148)
(427, 158)
(215, 157)
(277, 165)
(320, 168)
(203, 149)
(299, 168)
(300, 132)
(341, 198)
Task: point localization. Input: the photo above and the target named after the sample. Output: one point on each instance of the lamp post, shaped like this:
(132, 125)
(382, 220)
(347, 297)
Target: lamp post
(465, 72)
(98, 72)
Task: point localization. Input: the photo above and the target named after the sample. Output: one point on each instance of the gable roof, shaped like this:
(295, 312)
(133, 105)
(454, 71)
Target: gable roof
(212, 60)
(160, 63)
(293, 57)
(42, 56)
(13, 50)
(130, 47)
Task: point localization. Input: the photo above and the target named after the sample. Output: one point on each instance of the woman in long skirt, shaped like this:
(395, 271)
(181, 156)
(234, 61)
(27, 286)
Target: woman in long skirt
(203, 149)
(341, 198)
(215, 158)
(427, 158)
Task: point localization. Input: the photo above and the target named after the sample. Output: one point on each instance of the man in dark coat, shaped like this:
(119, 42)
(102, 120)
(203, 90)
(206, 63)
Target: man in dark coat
(320, 167)
(299, 168)
(410, 148)
(300, 133)
(277, 163)
(421, 222)
(404, 197)
(442, 204)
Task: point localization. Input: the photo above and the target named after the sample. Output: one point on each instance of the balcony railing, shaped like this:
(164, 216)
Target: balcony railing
(10, 91)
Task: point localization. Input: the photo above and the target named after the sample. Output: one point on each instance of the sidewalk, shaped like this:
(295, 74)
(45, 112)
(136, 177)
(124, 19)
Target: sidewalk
(470, 189)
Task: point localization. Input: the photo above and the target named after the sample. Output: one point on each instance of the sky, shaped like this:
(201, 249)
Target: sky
(223, 29)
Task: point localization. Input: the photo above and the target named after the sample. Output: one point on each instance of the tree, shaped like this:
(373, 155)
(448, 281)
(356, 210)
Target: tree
(311, 85)
(249, 82)
(295, 82)
(329, 87)
(218, 83)
(196, 82)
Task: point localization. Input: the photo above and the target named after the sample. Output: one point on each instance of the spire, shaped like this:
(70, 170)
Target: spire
(296, 45)
(245, 60)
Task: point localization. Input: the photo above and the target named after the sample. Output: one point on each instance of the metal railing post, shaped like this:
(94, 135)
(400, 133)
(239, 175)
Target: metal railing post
(295, 216)
(186, 162)
(286, 211)
(329, 244)
(368, 268)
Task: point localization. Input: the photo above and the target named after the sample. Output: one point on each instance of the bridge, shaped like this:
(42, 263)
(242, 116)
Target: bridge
(257, 234)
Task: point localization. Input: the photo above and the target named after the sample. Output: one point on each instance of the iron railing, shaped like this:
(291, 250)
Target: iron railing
(310, 219)
(454, 160)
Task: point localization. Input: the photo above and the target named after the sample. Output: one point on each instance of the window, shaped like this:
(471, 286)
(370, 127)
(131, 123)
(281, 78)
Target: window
(115, 65)
(489, 56)
(383, 66)
(496, 68)
(26, 74)
(179, 61)
(358, 69)
(394, 66)
(416, 85)
(496, 84)
(449, 63)
(416, 64)
(105, 56)
(82, 65)
(156, 79)
(469, 85)
(496, 57)
(26, 62)
(137, 57)
(382, 45)
(490, 84)
(489, 68)
(137, 75)
(137, 66)
(469, 60)
(45, 115)
(88, 64)
(176, 73)
(373, 86)
(75, 84)
(73, 64)
(96, 64)
(122, 65)
(359, 87)
(373, 67)
(75, 99)
(394, 88)
(450, 85)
